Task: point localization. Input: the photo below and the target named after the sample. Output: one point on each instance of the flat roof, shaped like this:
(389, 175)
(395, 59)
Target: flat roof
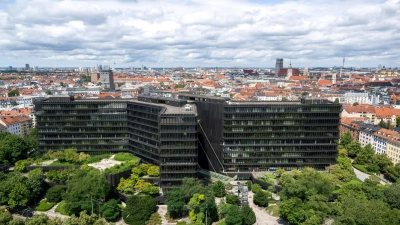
(264, 103)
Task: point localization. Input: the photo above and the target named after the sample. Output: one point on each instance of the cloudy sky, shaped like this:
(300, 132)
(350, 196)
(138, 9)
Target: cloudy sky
(189, 33)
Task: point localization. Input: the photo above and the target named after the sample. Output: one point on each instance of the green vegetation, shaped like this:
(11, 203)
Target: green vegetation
(127, 165)
(58, 163)
(12, 148)
(44, 206)
(361, 168)
(124, 156)
(138, 210)
(60, 175)
(13, 93)
(61, 208)
(97, 158)
(155, 219)
(110, 210)
(219, 189)
(55, 193)
(273, 210)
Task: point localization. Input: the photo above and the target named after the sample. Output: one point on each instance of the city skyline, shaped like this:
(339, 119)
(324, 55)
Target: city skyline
(198, 33)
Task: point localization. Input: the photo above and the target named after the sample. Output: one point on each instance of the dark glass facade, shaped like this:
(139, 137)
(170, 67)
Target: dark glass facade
(159, 134)
(264, 136)
(215, 133)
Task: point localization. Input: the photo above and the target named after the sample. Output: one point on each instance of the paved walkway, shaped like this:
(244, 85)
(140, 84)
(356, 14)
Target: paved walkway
(263, 218)
(362, 176)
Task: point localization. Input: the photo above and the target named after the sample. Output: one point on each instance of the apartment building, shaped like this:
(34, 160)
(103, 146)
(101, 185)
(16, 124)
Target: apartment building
(18, 125)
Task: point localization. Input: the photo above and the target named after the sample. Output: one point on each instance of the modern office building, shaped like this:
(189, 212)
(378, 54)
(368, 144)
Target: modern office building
(263, 136)
(195, 131)
(161, 131)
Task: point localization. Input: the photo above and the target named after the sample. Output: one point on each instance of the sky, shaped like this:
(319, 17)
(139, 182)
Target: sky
(207, 33)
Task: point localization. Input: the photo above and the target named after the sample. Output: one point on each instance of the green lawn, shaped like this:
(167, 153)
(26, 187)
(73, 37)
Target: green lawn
(61, 208)
(361, 168)
(273, 210)
(270, 175)
(271, 201)
(222, 222)
(124, 156)
(96, 158)
(44, 205)
(57, 163)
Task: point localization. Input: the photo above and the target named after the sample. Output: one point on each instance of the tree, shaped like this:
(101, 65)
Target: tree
(13, 93)
(48, 92)
(393, 172)
(342, 152)
(398, 121)
(366, 154)
(19, 195)
(304, 93)
(353, 148)
(84, 190)
(32, 139)
(392, 194)
(175, 202)
(55, 193)
(153, 171)
(219, 189)
(232, 199)
(13, 148)
(382, 161)
(373, 189)
(151, 190)
(62, 84)
(249, 217)
(36, 183)
(355, 104)
(234, 216)
(345, 139)
(336, 100)
(139, 209)
(261, 198)
(191, 186)
(110, 210)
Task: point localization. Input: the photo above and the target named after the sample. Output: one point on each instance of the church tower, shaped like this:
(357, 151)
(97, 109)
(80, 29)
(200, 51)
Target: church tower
(289, 71)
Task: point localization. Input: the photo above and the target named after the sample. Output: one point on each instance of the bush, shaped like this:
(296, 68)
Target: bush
(54, 194)
(232, 199)
(219, 189)
(261, 198)
(138, 210)
(181, 223)
(124, 156)
(121, 167)
(44, 206)
(97, 158)
(153, 171)
(59, 163)
(249, 184)
(255, 188)
(110, 210)
(21, 165)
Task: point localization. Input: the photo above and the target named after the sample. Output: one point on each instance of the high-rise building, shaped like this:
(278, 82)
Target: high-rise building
(278, 65)
(27, 67)
(181, 135)
(107, 79)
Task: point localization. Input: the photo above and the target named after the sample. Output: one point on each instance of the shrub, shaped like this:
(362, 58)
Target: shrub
(255, 188)
(21, 165)
(232, 199)
(44, 206)
(219, 189)
(155, 219)
(249, 184)
(261, 198)
(54, 194)
(153, 171)
(110, 210)
(128, 165)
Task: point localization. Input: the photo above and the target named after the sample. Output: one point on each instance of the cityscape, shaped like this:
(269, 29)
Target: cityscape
(239, 112)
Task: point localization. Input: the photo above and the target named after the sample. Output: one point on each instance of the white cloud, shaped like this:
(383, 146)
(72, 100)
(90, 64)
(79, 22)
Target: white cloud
(160, 33)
